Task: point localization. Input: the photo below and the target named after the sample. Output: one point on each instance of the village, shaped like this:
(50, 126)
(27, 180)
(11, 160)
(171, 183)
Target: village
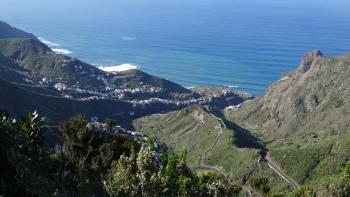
(132, 135)
(143, 96)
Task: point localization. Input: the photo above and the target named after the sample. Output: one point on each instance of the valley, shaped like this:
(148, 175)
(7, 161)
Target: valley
(295, 134)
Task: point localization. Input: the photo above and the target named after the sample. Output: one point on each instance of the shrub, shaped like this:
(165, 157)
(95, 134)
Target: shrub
(303, 191)
(260, 183)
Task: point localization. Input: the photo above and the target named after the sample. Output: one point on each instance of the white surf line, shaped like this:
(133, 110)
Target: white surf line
(284, 78)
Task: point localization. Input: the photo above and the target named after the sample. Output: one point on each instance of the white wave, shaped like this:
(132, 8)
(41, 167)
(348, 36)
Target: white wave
(61, 51)
(190, 87)
(54, 46)
(47, 42)
(128, 38)
(118, 68)
(284, 78)
(233, 86)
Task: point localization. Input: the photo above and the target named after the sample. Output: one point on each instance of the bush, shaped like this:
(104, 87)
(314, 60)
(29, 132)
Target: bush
(94, 162)
(260, 183)
(336, 101)
(303, 191)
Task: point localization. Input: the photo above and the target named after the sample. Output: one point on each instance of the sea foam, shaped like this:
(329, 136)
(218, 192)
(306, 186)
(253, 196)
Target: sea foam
(61, 51)
(47, 42)
(54, 47)
(118, 68)
(128, 38)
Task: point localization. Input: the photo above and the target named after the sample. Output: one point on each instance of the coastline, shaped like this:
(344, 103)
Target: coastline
(59, 49)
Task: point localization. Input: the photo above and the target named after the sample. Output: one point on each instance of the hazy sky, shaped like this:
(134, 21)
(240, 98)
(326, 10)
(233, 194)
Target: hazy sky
(16, 7)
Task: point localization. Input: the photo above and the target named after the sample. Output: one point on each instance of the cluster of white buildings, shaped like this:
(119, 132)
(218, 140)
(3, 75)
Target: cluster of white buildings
(134, 135)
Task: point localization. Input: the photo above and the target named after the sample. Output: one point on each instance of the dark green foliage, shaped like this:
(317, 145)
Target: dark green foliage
(110, 124)
(91, 155)
(300, 105)
(276, 195)
(346, 179)
(144, 177)
(328, 186)
(25, 166)
(92, 150)
(260, 183)
(345, 168)
(26, 169)
(336, 101)
(303, 191)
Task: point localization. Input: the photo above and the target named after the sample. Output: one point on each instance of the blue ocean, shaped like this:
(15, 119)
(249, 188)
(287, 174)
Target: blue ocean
(246, 44)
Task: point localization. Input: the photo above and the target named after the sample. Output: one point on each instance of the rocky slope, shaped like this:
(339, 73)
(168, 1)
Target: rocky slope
(313, 99)
(304, 120)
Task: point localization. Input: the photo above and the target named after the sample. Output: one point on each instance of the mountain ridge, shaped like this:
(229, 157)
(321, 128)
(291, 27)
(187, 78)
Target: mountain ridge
(301, 100)
(7, 31)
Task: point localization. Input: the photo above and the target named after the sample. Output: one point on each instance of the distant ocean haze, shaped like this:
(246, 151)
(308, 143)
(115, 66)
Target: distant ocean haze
(245, 45)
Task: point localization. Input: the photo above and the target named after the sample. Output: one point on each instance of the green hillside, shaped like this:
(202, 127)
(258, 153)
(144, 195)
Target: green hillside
(304, 118)
(313, 99)
(39, 62)
(209, 144)
(310, 158)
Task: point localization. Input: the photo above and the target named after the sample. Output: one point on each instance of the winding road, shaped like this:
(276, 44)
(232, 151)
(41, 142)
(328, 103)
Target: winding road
(274, 166)
(201, 158)
(265, 156)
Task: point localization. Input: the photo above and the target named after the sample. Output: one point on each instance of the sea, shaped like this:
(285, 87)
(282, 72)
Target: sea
(242, 44)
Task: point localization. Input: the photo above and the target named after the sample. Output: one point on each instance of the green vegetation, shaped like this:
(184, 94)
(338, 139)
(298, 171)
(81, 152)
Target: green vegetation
(198, 132)
(29, 169)
(303, 191)
(303, 120)
(312, 158)
(335, 185)
(336, 101)
(315, 101)
(260, 183)
(277, 183)
(94, 161)
(139, 175)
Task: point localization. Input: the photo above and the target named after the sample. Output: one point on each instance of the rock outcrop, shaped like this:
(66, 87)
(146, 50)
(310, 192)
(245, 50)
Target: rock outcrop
(312, 99)
(308, 60)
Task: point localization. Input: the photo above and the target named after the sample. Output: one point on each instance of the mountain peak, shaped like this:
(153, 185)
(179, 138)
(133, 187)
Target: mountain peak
(308, 60)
